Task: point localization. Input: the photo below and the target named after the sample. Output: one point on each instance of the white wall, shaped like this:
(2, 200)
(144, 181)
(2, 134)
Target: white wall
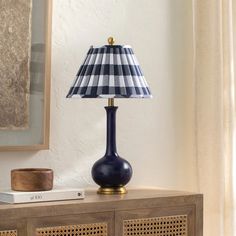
(156, 136)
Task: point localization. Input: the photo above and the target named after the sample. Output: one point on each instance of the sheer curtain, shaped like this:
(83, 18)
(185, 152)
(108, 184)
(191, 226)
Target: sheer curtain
(215, 112)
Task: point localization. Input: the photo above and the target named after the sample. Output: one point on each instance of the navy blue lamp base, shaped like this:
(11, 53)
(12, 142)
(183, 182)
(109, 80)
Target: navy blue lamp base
(111, 172)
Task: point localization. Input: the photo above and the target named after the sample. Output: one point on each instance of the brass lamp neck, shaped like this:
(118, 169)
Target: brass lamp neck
(111, 102)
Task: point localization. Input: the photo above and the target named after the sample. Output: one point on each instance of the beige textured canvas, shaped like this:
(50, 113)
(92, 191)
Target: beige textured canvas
(15, 43)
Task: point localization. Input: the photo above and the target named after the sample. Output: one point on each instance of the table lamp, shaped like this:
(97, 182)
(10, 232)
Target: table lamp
(111, 71)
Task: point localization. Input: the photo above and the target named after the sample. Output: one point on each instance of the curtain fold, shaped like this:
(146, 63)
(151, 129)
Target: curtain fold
(215, 112)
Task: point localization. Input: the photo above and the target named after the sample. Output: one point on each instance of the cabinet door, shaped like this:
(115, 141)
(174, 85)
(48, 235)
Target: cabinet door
(93, 224)
(167, 221)
(12, 228)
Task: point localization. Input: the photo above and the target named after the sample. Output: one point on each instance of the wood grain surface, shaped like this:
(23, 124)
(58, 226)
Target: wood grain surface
(137, 204)
(30, 179)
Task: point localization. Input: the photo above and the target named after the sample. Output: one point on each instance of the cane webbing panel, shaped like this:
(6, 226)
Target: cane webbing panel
(157, 226)
(8, 233)
(96, 229)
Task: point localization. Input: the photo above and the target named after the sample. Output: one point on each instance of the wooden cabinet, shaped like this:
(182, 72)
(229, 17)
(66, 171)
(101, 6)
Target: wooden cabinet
(140, 212)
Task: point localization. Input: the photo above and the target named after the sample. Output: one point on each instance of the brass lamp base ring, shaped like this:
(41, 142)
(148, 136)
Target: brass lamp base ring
(111, 191)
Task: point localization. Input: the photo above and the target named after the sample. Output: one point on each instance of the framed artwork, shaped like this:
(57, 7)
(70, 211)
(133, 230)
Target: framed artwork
(25, 71)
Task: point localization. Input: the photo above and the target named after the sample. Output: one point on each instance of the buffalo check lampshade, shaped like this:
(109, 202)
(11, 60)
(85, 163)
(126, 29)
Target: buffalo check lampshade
(110, 71)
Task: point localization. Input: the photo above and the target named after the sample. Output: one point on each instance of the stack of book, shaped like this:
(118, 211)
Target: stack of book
(52, 195)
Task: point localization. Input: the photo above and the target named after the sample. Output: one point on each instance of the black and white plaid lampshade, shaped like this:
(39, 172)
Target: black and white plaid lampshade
(111, 71)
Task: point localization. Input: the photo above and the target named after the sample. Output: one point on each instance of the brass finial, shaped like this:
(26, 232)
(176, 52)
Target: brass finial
(111, 41)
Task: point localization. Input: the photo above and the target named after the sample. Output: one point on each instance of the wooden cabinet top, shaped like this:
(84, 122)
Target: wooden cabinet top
(134, 199)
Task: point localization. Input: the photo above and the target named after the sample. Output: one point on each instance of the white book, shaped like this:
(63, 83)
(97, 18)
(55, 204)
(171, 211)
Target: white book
(52, 195)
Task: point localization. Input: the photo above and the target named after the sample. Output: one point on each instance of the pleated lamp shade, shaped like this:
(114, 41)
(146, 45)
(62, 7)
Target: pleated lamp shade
(111, 71)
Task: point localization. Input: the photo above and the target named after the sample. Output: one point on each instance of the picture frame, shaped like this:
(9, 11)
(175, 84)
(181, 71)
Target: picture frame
(36, 135)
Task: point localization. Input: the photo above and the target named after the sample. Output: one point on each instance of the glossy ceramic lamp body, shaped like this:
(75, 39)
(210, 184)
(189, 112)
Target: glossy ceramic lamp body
(111, 172)
(111, 71)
